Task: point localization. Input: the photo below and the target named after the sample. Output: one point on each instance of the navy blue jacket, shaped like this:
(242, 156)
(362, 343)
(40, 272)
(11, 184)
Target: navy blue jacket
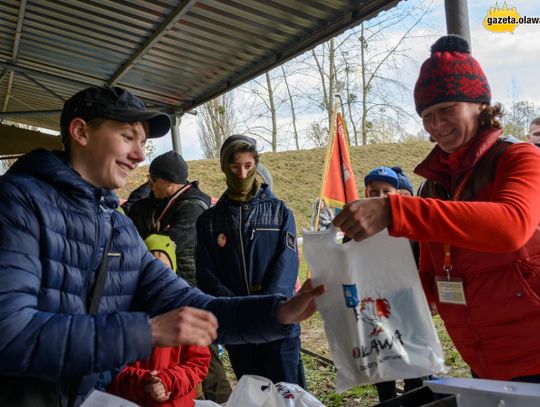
(246, 248)
(53, 230)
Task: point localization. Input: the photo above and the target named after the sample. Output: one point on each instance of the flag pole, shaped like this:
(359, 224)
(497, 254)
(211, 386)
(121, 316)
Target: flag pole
(329, 146)
(343, 122)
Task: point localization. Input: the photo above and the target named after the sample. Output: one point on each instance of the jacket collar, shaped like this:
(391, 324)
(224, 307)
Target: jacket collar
(54, 167)
(443, 167)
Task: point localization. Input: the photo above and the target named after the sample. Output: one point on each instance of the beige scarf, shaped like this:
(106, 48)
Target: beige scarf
(242, 190)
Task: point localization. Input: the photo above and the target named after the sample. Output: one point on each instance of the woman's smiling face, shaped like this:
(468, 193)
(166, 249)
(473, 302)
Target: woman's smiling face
(452, 124)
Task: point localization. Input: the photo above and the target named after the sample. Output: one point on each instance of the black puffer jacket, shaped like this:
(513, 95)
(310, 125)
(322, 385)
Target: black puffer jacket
(178, 223)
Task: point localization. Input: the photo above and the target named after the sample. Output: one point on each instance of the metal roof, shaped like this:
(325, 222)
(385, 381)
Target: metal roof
(174, 54)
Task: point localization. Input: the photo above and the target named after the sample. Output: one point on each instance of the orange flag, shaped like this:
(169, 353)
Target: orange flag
(338, 186)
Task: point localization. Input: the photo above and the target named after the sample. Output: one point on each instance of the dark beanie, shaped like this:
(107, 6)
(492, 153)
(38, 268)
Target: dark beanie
(451, 74)
(403, 180)
(170, 167)
(231, 145)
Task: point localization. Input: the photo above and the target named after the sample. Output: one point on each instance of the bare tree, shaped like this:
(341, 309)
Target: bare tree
(216, 124)
(373, 66)
(327, 71)
(350, 98)
(273, 113)
(260, 112)
(293, 112)
(318, 133)
(518, 118)
(149, 151)
(366, 63)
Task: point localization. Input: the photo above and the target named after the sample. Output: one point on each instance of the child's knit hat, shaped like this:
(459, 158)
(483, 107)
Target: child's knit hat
(403, 180)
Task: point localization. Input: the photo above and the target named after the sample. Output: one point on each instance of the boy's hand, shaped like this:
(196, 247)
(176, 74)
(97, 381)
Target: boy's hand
(301, 305)
(364, 218)
(156, 389)
(184, 326)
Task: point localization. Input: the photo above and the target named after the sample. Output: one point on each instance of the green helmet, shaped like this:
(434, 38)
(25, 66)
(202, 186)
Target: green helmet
(163, 244)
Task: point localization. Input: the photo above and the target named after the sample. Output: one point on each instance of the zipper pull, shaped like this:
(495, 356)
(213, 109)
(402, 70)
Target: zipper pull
(252, 234)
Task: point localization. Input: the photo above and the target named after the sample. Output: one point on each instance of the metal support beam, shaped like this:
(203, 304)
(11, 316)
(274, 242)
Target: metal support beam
(15, 51)
(46, 89)
(457, 18)
(30, 113)
(150, 103)
(163, 29)
(175, 133)
(11, 75)
(58, 78)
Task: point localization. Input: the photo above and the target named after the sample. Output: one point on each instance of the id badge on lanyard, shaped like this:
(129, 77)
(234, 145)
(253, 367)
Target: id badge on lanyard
(450, 288)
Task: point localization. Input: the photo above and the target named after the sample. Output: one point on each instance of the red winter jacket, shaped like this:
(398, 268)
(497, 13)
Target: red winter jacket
(495, 249)
(180, 369)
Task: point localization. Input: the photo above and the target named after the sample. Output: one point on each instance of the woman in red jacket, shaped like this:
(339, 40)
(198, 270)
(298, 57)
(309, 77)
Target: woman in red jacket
(477, 219)
(171, 375)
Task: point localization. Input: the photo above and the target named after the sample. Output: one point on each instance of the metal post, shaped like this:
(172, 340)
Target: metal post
(175, 133)
(457, 18)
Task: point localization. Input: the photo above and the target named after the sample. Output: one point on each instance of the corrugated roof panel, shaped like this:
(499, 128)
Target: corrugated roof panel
(9, 12)
(174, 54)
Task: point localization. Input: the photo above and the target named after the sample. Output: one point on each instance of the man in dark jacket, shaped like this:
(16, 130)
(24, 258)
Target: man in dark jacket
(141, 192)
(173, 210)
(58, 226)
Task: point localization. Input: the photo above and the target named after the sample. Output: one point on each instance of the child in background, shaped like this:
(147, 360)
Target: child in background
(405, 187)
(381, 182)
(326, 215)
(169, 378)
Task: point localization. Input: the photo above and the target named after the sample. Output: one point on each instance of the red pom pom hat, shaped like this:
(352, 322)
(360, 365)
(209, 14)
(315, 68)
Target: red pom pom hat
(450, 74)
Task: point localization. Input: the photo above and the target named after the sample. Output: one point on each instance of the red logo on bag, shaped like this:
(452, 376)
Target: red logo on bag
(284, 391)
(374, 311)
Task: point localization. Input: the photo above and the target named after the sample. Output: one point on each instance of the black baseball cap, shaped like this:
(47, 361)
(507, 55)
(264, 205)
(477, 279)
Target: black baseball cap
(112, 103)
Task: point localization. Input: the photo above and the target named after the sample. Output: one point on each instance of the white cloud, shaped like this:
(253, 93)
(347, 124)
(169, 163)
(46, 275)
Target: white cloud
(510, 60)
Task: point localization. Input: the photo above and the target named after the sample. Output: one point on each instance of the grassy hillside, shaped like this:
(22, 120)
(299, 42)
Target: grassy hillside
(297, 174)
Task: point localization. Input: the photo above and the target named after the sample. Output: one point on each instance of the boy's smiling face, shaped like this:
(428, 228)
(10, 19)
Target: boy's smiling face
(380, 189)
(106, 153)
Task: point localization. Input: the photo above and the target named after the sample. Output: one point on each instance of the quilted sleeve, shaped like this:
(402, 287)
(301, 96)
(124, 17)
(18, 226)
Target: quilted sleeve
(49, 345)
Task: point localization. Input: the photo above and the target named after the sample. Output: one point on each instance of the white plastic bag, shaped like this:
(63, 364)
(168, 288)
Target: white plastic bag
(100, 399)
(375, 313)
(295, 396)
(257, 391)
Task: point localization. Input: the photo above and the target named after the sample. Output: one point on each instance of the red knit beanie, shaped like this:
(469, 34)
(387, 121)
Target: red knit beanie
(450, 74)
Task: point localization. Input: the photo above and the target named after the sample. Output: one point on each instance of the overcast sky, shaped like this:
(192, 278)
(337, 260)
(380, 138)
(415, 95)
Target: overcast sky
(510, 61)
